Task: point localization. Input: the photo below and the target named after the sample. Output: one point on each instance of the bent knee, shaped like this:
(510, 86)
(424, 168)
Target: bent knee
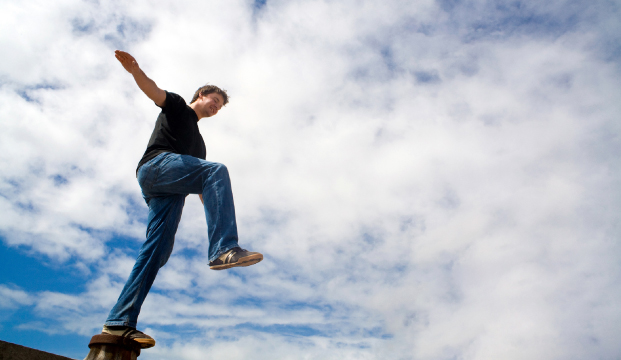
(220, 169)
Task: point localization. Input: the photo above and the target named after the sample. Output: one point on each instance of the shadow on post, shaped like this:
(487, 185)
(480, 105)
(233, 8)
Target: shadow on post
(112, 347)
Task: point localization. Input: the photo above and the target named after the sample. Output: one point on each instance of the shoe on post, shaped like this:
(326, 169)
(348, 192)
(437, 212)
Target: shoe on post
(143, 339)
(235, 257)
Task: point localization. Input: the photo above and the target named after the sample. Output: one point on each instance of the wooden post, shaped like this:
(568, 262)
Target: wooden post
(112, 347)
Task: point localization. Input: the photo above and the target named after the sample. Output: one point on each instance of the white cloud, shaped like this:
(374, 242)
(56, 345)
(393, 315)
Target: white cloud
(424, 182)
(12, 298)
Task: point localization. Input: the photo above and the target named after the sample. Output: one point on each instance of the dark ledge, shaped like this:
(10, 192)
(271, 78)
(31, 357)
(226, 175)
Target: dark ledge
(10, 351)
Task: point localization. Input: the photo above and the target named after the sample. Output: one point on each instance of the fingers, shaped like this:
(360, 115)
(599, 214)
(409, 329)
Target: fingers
(121, 53)
(128, 61)
(123, 56)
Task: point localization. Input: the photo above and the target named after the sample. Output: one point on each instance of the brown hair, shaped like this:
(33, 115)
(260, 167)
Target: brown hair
(209, 89)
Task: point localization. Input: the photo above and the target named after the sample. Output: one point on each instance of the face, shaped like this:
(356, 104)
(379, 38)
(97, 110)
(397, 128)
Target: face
(211, 104)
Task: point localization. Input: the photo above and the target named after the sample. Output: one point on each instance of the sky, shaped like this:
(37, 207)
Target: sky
(429, 180)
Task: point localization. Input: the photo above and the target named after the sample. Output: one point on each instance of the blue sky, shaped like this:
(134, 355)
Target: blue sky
(427, 180)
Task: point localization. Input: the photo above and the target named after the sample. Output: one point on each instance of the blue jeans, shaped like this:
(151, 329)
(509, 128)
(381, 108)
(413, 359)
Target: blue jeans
(165, 181)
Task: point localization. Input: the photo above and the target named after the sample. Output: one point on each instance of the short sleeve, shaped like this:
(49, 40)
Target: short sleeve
(174, 104)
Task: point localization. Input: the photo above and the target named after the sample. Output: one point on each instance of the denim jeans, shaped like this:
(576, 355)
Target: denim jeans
(165, 181)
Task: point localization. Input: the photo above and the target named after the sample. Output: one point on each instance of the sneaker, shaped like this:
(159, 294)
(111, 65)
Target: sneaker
(143, 339)
(235, 257)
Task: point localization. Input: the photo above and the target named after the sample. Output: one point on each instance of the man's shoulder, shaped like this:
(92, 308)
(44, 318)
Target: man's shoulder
(174, 102)
(175, 96)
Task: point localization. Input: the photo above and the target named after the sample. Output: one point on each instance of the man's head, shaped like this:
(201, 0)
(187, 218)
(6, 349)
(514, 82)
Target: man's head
(210, 89)
(208, 100)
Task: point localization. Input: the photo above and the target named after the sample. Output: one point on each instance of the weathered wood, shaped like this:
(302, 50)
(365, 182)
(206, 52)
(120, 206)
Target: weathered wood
(112, 347)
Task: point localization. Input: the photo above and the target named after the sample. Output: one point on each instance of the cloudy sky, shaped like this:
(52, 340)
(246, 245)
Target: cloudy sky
(426, 179)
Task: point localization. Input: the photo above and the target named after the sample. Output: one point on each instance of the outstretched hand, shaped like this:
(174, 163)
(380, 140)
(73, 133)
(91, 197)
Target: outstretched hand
(145, 84)
(129, 63)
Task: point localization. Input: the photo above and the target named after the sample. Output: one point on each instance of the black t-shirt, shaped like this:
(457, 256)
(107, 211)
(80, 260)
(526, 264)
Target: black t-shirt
(176, 131)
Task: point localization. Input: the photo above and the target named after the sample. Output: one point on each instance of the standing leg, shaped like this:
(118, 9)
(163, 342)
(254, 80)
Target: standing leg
(164, 216)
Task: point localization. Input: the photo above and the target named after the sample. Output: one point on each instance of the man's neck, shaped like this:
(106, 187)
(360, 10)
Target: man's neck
(198, 115)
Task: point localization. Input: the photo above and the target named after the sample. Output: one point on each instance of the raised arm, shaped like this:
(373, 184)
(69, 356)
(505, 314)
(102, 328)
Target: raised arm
(145, 84)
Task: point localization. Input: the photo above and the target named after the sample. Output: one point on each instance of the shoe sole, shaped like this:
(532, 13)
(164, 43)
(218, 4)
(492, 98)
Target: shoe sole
(245, 261)
(144, 343)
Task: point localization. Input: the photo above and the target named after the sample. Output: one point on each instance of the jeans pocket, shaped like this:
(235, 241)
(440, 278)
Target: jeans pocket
(148, 173)
(146, 176)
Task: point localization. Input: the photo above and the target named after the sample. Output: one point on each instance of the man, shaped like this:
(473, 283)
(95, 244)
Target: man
(172, 167)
